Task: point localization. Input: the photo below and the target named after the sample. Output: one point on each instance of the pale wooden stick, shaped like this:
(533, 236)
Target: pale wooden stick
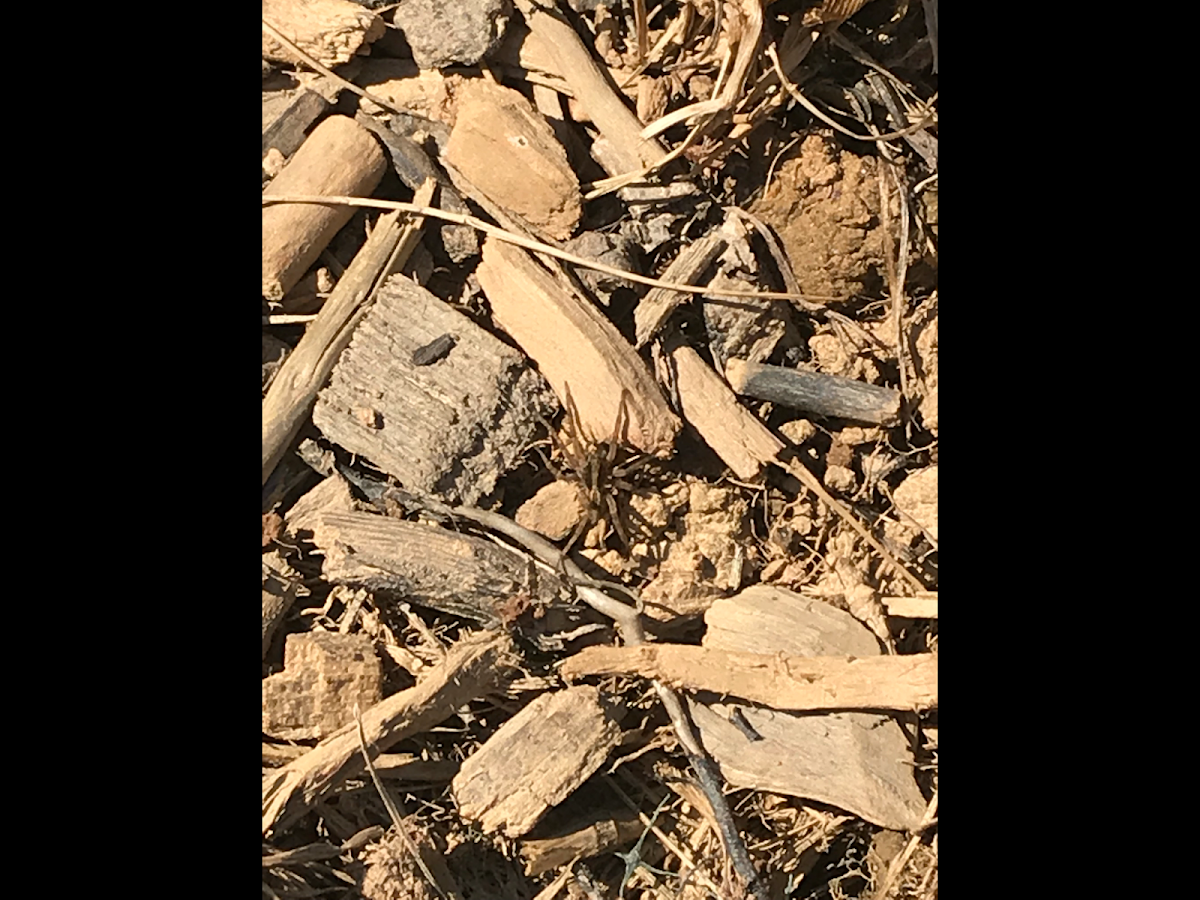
(604, 105)
(740, 439)
(339, 156)
(780, 682)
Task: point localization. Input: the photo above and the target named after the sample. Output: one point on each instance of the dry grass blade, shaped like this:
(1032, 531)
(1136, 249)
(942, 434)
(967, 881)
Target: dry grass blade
(643, 32)
(537, 246)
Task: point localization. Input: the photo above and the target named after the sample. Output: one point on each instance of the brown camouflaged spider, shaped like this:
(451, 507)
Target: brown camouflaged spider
(593, 467)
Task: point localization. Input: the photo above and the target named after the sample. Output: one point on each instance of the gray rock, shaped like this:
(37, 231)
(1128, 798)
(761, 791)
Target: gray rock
(449, 32)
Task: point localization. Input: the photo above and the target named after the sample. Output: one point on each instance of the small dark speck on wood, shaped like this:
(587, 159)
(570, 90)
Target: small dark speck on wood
(436, 350)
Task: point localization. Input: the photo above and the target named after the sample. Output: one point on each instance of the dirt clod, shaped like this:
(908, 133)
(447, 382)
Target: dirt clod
(824, 202)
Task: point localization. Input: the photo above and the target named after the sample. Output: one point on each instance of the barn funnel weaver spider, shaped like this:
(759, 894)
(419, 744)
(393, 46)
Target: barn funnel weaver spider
(597, 469)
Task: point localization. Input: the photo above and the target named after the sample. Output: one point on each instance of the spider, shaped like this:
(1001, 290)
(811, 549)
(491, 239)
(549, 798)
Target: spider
(592, 466)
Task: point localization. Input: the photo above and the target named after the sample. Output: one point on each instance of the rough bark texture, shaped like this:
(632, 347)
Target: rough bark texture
(326, 675)
(435, 567)
(447, 424)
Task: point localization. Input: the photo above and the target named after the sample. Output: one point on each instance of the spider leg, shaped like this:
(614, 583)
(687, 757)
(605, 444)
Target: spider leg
(579, 434)
(626, 469)
(611, 502)
(620, 433)
(554, 470)
(576, 534)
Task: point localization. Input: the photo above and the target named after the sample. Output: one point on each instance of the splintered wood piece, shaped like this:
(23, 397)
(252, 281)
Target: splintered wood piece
(325, 674)
(593, 89)
(602, 835)
(577, 349)
(768, 619)
(339, 157)
(815, 392)
(536, 759)
(691, 263)
(331, 31)
(435, 567)
(858, 761)
(506, 149)
(741, 440)
(431, 398)
(331, 495)
(778, 681)
(291, 394)
(472, 667)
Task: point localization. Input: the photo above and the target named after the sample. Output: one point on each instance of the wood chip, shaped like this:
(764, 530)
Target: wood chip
(339, 157)
(741, 440)
(330, 495)
(592, 88)
(576, 348)
(912, 607)
(326, 674)
(506, 149)
(431, 398)
(815, 392)
(536, 759)
(691, 263)
(435, 567)
(331, 31)
(602, 835)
